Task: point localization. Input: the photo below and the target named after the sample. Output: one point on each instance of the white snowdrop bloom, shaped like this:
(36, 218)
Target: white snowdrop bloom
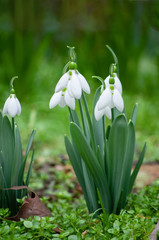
(62, 98)
(75, 82)
(111, 98)
(69, 88)
(74, 86)
(117, 82)
(84, 83)
(62, 83)
(100, 113)
(12, 106)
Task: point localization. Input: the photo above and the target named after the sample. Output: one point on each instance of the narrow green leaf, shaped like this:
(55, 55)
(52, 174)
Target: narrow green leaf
(134, 114)
(21, 173)
(90, 189)
(83, 177)
(1, 119)
(18, 158)
(5, 196)
(92, 163)
(75, 161)
(92, 139)
(137, 167)
(84, 122)
(85, 150)
(1, 160)
(108, 132)
(1, 178)
(116, 154)
(113, 54)
(29, 170)
(98, 125)
(128, 162)
(7, 149)
(74, 117)
(100, 157)
(30, 143)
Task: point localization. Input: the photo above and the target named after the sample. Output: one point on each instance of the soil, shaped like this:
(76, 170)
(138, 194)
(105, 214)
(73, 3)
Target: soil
(148, 173)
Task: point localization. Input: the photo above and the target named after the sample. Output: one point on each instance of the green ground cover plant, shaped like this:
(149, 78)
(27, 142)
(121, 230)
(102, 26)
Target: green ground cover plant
(136, 221)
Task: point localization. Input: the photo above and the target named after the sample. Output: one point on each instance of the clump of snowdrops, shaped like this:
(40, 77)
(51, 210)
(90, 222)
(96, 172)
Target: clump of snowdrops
(12, 161)
(101, 156)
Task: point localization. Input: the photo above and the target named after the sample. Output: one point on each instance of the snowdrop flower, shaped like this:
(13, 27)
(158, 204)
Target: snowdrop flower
(69, 88)
(117, 82)
(111, 97)
(100, 113)
(62, 98)
(74, 81)
(12, 105)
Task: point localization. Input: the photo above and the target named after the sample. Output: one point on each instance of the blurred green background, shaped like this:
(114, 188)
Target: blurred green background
(33, 39)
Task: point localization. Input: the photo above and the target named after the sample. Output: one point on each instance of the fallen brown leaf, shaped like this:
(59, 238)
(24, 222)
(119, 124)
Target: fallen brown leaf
(32, 206)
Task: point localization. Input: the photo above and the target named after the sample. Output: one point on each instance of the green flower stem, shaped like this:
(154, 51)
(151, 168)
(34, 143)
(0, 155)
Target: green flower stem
(89, 122)
(12, 80)
(71, 114)
(115, 58)
(82, 117)
(101, 80)
(13, 125)
(112, 112)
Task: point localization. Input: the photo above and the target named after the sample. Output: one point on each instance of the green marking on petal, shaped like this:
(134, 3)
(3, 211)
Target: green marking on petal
(112, 88)
(111, 80)
(70, 73)
(64, 90)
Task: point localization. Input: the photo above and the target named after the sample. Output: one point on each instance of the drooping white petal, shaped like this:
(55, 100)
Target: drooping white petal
(5, 106)
(12, 107)
(75, 86)
(108, 112)
(69, 88)
(118, 100)
(111, 103)
(117, 83)
(98, 113)
(62, 83)
(104, 99)
(55, 99)
(19, 107)
(70, 101)
(62, 102)
(84, 84)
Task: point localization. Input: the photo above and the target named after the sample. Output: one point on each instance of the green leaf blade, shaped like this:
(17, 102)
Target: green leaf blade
(134, 114)
(137, 168)
(116, 154)
(92, 163)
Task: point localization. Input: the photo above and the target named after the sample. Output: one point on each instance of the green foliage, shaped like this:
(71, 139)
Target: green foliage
(102, 160)
(136, 221)
(12, 163)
